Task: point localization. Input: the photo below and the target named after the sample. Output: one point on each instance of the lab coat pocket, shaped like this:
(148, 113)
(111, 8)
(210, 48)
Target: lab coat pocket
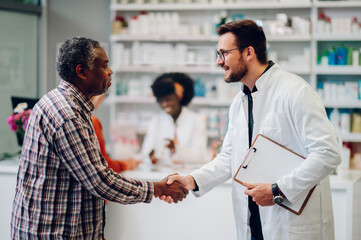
(311, 232)
(276, 127)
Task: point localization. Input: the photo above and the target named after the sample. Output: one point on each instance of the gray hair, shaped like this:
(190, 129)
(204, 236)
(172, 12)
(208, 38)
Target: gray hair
(74, 51)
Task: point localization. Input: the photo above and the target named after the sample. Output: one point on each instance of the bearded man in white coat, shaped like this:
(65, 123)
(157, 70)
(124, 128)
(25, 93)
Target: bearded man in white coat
(284, 108)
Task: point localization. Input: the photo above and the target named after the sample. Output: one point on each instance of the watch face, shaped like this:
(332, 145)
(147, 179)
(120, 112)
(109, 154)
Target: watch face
(278, 199)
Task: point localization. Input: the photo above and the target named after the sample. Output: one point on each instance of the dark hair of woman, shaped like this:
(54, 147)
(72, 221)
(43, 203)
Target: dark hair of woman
(164, 86)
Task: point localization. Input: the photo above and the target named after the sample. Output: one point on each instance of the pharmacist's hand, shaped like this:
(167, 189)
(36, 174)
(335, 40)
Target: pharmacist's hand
(131, 163)
(152, 157)
(170, 145)
(261, 193)
(174, 191)
(186, 181)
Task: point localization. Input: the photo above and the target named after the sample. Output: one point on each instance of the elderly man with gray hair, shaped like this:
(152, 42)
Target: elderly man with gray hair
(63, 180)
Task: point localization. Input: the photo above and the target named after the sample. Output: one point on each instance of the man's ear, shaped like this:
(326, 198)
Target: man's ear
(80, 71)
(250, 52)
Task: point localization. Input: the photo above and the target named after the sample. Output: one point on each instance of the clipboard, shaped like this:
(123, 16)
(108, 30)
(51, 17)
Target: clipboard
(260, 167)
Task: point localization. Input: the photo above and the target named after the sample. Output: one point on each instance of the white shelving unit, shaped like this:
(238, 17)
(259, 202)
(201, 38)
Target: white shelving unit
(285, 45)
(338, 70)
(161, 69)
(196, 12)
(199, 101)
(322, 41)
(211, 6)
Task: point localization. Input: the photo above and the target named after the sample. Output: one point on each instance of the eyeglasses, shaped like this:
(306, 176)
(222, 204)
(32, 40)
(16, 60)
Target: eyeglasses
(222, 54)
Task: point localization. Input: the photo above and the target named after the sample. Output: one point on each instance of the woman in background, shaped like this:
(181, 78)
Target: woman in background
(177, 134)
(116, 165)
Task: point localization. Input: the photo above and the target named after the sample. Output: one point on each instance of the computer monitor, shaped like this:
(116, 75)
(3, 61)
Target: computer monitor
(30, 101)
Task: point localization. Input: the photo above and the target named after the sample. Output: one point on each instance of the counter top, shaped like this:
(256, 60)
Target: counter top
(147, 173)
(340, 181)
(344, 179)
(154, 176)
(10, 165)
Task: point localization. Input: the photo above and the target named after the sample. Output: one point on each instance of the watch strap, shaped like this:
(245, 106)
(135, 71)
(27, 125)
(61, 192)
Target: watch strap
(275, 190)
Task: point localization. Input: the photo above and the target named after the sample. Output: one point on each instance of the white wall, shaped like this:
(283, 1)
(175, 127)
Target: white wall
(18, 67)
(69, 18)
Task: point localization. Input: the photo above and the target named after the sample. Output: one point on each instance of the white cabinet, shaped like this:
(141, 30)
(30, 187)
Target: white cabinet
(8, 171)
(339, 85)
(295, 49)
(191, 49)
(346, 195)
(211, 216)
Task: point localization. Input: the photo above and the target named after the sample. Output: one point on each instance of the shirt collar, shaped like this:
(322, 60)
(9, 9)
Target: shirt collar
(260, 81)
(79, 95)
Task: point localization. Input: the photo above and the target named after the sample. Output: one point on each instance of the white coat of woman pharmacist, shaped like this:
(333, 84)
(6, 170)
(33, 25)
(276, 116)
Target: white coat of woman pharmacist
(177, 135)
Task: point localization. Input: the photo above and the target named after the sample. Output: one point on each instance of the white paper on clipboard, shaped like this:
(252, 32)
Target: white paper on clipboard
(266, 162)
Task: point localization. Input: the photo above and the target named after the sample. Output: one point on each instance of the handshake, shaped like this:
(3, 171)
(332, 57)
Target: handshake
(173, 188)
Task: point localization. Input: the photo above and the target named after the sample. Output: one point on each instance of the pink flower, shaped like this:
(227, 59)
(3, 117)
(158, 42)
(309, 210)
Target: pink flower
(10, 119)
(18, 121)
(14, 127)
(17, 117)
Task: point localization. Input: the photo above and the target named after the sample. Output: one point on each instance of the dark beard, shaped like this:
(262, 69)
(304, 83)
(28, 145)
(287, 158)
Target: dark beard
(236, 77)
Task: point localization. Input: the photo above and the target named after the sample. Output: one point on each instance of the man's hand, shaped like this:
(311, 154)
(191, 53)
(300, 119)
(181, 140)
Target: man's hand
(186, 181)
(175, 191)
(261, 193)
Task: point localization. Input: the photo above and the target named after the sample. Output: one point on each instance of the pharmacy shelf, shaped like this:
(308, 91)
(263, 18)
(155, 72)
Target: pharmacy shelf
(191, 69)
(342, 104)
(199, 69)
(351, 137)
(140, 69)
(337, 4)
(142, 131)
(130, 99)
(202, 101)
(337, 70)
(337, 37)
(162, 38)
(308, 9)
(163, 69)
(289, 38)
(197, 101)
(196, 38)
(197, 6)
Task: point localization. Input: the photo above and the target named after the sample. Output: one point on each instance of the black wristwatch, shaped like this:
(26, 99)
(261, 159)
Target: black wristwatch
(277, 197)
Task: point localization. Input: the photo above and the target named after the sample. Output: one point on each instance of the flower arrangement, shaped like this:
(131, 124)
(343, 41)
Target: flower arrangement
(18, 120)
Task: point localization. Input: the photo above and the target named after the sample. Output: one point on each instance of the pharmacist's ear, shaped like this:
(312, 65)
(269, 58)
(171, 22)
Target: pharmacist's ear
(80, 71)
(249, 53)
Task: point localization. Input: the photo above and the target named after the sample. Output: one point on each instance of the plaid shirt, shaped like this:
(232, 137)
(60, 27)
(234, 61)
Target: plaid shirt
(63, 179)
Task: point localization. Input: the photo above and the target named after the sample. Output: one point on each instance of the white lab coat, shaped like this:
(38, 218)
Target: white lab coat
(191, 136)
(287, 110)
